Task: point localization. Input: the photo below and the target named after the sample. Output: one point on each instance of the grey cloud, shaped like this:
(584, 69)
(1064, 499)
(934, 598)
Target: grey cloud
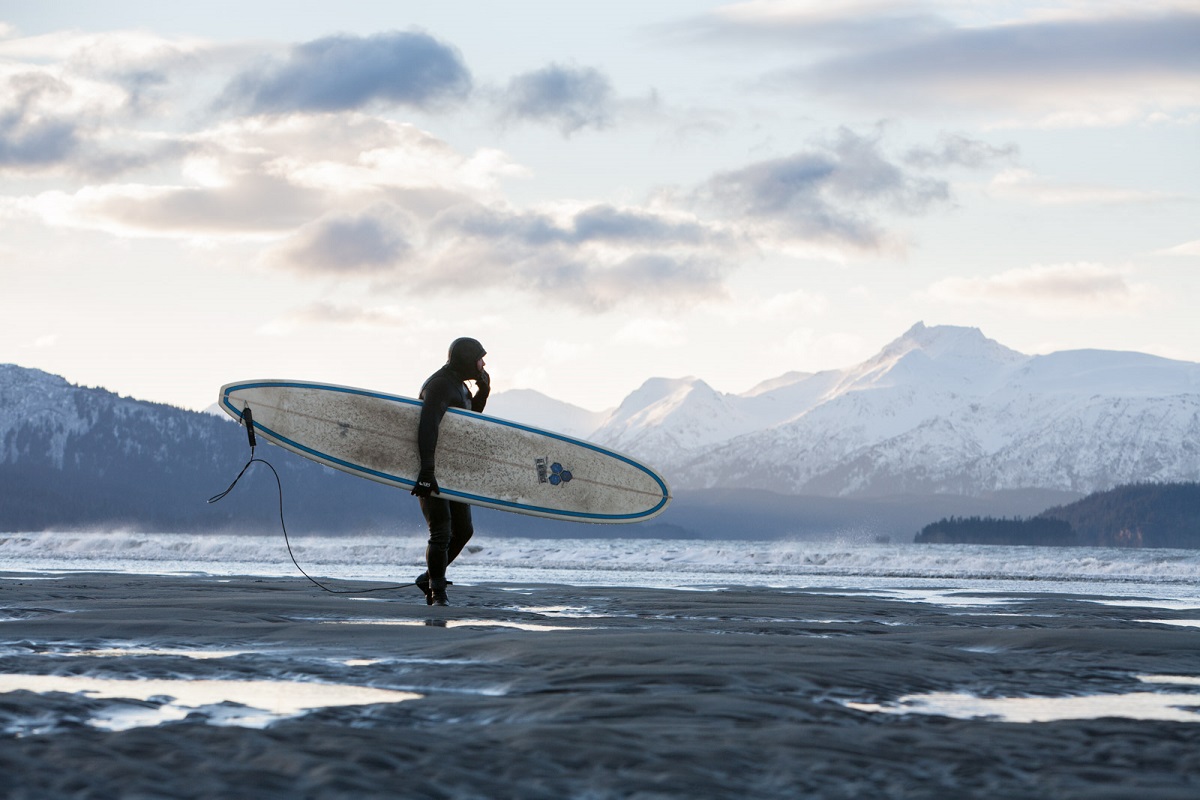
(1013, 58)
(659, 279)
(568, 97)
(958, 150)
(339, 73)
(595, 224)
(143, 87)
(665, 261)
(35, 144)
(823, 195)
(603, 222)
(374, 241)
(33, 137)
(28, 139)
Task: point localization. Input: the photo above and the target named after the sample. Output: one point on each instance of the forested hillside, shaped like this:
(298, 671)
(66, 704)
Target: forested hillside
(1137, 515)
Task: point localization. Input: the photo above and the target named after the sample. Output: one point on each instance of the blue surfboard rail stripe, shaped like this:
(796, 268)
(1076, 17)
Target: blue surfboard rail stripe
(467, 496)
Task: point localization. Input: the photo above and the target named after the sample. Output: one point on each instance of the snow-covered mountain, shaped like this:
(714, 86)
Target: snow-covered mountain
(79, 457)
(941, 410)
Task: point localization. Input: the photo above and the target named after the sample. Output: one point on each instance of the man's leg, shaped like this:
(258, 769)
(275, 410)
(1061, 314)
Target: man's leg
(437, 515)
(461, 530)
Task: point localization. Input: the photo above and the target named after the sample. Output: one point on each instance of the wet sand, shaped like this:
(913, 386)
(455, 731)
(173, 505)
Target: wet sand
(555, 692)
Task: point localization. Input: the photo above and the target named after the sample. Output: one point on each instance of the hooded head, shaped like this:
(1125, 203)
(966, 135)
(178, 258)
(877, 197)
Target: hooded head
(464, 357)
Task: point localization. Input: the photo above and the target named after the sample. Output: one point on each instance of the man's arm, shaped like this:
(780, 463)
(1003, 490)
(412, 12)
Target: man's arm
(434, 403)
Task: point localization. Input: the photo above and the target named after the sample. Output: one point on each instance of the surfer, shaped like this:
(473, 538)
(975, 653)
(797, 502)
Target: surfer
(449, 522)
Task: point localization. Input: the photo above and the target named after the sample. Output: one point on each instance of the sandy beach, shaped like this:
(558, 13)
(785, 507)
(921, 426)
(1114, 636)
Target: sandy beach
(171, 687)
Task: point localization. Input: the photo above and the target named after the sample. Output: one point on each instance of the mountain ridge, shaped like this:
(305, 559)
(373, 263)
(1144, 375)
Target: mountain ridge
(941, 420)
(939, 410)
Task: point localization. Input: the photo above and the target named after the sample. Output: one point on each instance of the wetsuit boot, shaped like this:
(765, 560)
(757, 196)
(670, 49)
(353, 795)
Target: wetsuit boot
(422, 583)
(437, 593)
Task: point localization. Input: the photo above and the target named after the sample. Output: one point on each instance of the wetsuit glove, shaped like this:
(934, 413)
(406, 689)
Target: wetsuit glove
(426, 483)
(483, 388)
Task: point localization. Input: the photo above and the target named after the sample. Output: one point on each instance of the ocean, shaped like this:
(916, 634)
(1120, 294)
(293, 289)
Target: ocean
(938, 571)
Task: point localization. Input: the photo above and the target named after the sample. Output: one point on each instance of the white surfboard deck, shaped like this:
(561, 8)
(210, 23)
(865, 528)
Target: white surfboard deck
(481, 460)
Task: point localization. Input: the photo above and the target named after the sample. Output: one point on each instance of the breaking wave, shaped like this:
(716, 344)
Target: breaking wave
(617, 561)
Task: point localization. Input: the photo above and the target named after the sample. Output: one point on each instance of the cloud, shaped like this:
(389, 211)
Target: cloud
(594, 258)
(1109, 64)
(1057, 290)
(73, 103)
(956, 150)
(325, 313)
(340, 73)
(267, 177)
(601, 224)
(370, 242)
(1185, 249)
(27, 137)
(1025, 185)
(571, 98)
(1059, 70)
(255, 205)
(653, 279)
(825, 195)
(816, 25)
(30, 134)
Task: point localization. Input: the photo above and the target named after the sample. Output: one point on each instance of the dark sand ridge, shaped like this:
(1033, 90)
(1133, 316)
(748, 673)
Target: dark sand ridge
(659, 693)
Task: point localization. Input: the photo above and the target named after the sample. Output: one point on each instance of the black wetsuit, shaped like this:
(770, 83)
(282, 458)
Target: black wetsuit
(450, 526)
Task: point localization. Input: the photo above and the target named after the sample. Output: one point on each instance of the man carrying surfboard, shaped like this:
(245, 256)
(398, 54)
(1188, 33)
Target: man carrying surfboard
(449, 522)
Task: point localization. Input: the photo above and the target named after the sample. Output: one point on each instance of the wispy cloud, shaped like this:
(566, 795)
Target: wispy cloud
(957, 150)
(1026, 185)
(595, 258)
(1186, 249)
(817, 26)
(1111, 65)
(1056, 290)
(831, 194)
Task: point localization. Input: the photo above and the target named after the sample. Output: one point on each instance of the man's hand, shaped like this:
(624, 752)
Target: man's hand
(484, 381)
(426, 484)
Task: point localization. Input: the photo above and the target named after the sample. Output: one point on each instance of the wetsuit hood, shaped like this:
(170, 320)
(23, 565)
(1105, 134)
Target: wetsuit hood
(464, 356)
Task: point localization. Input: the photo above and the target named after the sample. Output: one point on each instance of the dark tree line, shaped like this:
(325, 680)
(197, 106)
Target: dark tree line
(993, 530)
(1136, 515)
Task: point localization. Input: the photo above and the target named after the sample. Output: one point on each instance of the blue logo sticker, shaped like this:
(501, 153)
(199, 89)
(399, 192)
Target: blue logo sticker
(558, 475)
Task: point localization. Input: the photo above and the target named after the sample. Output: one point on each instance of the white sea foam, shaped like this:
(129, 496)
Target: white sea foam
(1170, 575)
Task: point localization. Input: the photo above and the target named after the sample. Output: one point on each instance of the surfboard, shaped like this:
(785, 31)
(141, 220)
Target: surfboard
(482, 460)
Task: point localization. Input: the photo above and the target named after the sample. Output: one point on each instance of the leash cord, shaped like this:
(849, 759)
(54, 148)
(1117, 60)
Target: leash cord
(283, 525)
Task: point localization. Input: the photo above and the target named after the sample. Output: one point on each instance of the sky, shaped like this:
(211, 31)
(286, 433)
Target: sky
(600, 192)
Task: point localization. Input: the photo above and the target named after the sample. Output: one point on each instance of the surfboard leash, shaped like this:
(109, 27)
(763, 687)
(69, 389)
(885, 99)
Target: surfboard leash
(248, 420)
